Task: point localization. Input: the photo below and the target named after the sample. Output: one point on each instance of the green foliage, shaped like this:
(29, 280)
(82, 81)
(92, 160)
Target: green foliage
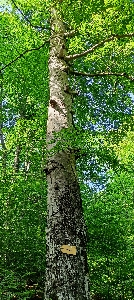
(102, 140)
(109, 217)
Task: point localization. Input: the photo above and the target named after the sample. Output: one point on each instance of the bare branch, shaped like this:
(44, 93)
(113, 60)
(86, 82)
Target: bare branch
(101, 74)
(22, 54)
(101, 43)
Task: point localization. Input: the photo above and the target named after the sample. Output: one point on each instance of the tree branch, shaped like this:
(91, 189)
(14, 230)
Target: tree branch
(101, 43)
(101, 74)
(34, 26)
(70, 33)
(22, 54)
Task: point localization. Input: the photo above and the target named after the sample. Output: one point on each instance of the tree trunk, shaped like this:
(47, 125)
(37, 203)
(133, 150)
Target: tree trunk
(66, 260)
(3, 146)
(3, 150)
(17, 159)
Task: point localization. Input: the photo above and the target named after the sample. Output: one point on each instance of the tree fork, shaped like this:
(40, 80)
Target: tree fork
(66, 258)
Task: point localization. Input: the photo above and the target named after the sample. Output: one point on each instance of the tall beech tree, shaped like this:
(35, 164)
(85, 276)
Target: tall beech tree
(65, 223)
(87, 48)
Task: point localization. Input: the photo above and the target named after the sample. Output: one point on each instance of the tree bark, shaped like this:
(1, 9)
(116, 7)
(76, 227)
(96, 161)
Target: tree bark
(66, 258)
(17, 159)
(2, 141)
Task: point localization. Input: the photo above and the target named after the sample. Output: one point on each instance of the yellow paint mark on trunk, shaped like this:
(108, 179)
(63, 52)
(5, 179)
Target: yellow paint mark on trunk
(68, 249)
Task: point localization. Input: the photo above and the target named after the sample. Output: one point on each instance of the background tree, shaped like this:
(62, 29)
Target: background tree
(99, 44)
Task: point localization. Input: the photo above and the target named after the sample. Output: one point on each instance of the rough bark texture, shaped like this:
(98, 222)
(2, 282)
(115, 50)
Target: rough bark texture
(66, 274)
